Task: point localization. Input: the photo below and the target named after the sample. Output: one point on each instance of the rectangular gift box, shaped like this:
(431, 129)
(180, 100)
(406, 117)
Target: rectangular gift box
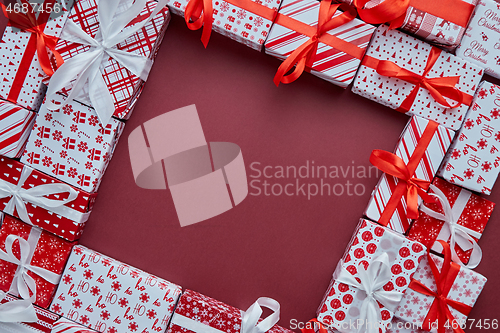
(400, 54)
(431, 159)
(331, 64)
(16, 123)
(71, 144)
(109, 296)
(341, 304)
(473, 159)
(471, 211)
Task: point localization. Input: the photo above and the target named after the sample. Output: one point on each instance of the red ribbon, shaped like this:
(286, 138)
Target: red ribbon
(199, 13)
(314, 323)
(440, 308)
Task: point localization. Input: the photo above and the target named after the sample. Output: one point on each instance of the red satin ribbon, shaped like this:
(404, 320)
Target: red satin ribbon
(199, 13)
(315, 323)
(408, 186)
(440, 308)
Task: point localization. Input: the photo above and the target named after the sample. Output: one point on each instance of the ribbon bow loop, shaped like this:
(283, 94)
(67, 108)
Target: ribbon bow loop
(392, 11)
(199, 13)
(250, 318)
(17, 311)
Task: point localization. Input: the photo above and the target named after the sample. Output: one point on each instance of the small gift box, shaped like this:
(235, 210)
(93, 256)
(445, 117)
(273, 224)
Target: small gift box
(407, 173)
(457, 217)
(406, 74)
(41, 255)
(376, 258)
(15, 126)
(197, 313)
(108, 296)
(64, 325)
(473, 159)
(71, 144)
(334, 55)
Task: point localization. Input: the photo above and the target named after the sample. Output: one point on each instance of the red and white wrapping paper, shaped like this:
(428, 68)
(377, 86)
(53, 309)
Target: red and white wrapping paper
(329, 64)
(473, 160)
(425, 170)
(64, 325)
(342, 303)
(109, 296)
(15, 126)
(412, 54)
(401, 326)
(71, 144)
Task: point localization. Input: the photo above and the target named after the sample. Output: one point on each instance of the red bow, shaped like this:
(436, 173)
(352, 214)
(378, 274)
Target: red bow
(314, 323)
(393, 11)
(199, 13)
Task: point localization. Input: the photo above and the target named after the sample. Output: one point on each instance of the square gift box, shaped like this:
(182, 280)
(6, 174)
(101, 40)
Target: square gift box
(109, 296)
(342, 302)
(388, 204)
(70, 144)
(473, 159)
(16, 123)
(397, 68)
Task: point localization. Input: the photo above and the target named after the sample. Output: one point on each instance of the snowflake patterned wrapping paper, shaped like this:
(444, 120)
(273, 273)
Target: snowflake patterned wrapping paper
(417, 133)
(473, 159)
(471, 211)
(22, 73)
(71, 144)
(391, 50)
(16, 123)
(341, 304)
(401, 326)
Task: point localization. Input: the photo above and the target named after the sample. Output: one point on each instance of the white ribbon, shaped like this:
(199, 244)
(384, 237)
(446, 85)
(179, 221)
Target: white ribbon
(372, 280)
(17, 311)
(459, 234)
(86, 66)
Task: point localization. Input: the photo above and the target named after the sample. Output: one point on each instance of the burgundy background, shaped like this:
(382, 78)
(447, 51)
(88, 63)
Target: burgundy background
(282, 247)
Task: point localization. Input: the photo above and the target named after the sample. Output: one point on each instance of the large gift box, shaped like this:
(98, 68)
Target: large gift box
(71, 144)
(109, 296)
(406, 74)
(457, 217)
(16, 123)
(336, 63)
(473, 159)
(372, 249)
(419, 152)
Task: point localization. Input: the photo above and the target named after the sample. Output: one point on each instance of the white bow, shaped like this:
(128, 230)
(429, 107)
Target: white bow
(458, 233)
(17, 311)
(86, 66)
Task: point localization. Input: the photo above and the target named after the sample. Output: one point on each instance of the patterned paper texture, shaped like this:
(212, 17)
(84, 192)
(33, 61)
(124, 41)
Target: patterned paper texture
(71, 144)
(476, 214)
(411, 54)
(330, 64)
(426, 170)
(106, 295)
(473, 159)
(342, 302)
(15, 127)
(401, 326)
(64, 325)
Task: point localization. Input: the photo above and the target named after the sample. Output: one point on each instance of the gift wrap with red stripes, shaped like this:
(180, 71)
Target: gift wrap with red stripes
(15, 126)
(329, 64)
(64, 325)
(426, 170)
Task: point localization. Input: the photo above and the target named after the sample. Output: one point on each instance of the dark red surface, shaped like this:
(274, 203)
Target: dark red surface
(282, 247)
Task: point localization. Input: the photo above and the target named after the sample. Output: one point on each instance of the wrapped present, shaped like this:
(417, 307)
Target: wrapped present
(332, 49)
(108, 296)
(378, 261)
(15, 318)
(32, 261)
(199, 314)
(406, 74)
(110, 79)
(16, 123)
(71, 144)
(473, 159)
(457, 217)
(435, 307)
(64, 325)
(27, 45)
(407, 173)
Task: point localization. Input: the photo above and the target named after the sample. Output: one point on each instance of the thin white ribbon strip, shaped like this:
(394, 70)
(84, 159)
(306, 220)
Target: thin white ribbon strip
(457, 233)
(86, 66)
(17, 311)
(373, 280)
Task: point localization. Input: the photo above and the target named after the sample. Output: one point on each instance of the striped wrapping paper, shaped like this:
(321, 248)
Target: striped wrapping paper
(15, 127)
(426, 170)
(330, 64)
(64, 325)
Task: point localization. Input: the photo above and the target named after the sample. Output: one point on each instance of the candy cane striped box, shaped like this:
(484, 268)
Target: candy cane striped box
(426, 170)
(64, 325)
(15, 126)
(329, 64)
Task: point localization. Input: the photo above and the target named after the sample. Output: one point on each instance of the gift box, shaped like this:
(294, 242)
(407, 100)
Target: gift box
(473, 159)
(406, 74)
(15, 126)
(467, 212)
(420, 151)
(23, 73)
(71, 144)
(64, 325)
(345, 297)
(58, 208)
(42, 254)
(108, 296)
(481, 41)
(337, 65)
